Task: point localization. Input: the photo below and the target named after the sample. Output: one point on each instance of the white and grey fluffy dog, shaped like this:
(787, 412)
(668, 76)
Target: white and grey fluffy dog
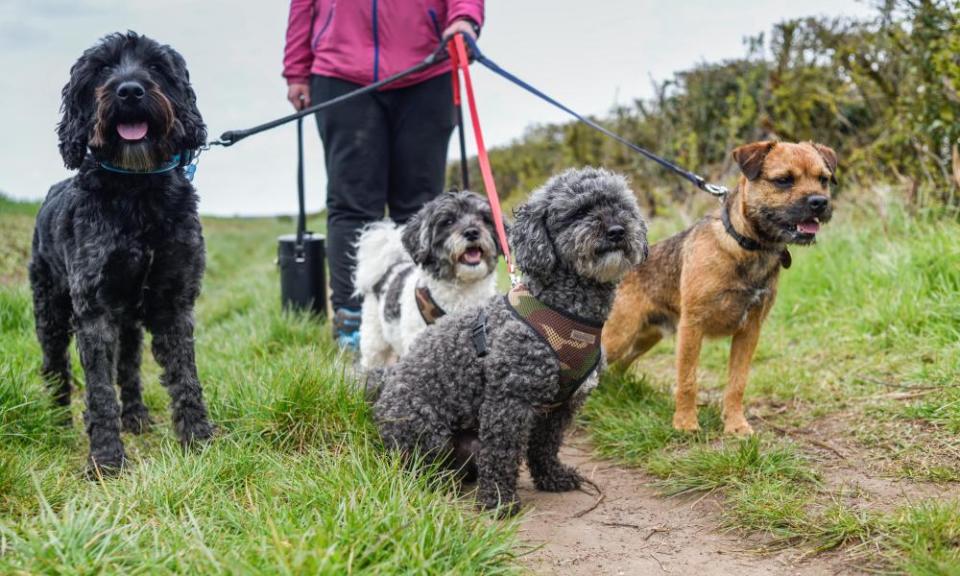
(448, 248)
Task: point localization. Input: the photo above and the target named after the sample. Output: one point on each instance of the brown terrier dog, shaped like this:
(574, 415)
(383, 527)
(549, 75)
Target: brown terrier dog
(719, 277)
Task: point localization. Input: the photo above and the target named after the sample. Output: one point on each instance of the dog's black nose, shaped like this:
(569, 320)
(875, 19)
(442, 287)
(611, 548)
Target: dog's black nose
(130, 90)
(818, 203)
(616, 233)
(472, 234)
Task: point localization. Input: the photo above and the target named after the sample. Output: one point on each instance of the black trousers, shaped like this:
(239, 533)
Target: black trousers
(386, 153)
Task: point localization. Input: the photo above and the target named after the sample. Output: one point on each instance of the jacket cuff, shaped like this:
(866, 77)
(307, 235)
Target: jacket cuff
(297, 80)
(469, 12)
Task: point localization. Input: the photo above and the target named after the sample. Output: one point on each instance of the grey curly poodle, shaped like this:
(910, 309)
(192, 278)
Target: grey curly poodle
(502, 381)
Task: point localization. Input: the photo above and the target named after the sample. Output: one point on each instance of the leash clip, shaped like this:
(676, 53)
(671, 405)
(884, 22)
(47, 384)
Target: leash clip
(717, 190)
(478, 334)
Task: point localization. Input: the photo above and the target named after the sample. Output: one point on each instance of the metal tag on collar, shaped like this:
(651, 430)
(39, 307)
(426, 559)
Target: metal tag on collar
(190, 168)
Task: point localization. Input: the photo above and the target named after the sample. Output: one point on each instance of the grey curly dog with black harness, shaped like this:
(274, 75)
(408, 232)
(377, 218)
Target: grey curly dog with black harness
(496, 383)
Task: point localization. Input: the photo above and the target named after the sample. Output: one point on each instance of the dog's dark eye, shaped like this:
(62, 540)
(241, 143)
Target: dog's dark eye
(824, 181)
(446, 222)
(106, 69)
(783, 182)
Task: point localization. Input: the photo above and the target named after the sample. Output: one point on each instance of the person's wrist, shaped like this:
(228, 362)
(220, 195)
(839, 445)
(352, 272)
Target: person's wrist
(473, 24)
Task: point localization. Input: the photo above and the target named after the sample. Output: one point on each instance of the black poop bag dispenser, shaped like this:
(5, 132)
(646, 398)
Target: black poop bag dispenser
(301, 256)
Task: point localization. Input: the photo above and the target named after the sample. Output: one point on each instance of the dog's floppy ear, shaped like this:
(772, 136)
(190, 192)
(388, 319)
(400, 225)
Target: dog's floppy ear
(73, 131)
(750, 157)
(414, 238)
(530, 239)
(194, 130)
(829, 157)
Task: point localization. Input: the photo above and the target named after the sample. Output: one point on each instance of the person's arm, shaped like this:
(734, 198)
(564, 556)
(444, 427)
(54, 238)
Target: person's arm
(297, 54)
(462, 15)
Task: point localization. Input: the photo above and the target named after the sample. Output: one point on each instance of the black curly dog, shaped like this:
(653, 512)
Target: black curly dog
(116, 252)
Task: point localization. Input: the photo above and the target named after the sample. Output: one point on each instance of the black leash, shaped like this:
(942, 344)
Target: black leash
(302, 215)
(231, 137)
(439, 55)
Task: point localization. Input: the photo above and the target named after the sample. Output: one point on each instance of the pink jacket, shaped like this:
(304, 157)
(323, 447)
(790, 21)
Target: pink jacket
(363, 41)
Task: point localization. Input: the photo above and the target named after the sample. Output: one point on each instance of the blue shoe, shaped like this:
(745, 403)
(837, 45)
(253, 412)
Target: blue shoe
(346, 329)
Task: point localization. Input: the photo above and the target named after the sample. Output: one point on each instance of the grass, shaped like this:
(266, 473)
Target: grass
(295, 483)
(864, 343)
(862, 353)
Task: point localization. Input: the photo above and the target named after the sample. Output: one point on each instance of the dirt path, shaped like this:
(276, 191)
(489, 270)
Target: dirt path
(635, 531)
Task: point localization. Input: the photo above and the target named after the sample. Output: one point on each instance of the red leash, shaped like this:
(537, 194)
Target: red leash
(458, 56)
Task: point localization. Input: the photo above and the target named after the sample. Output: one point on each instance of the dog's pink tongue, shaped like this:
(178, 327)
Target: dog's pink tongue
(132, 131)
(810, 227)
(472, 256)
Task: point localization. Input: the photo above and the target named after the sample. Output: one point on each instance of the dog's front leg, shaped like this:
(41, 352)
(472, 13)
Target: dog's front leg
(546, 436)
(97, 344)
(689, 339)
(504, 428)
(135, 417)
(173, 347)
(742, 347)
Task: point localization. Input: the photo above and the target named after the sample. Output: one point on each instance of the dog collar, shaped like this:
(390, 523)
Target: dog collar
(171, 165)
(430, 311)
(746, 243)
(749, 244)
(574, 341)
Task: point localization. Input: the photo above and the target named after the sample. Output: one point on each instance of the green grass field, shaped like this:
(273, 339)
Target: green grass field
(857, 375)
(296, 483)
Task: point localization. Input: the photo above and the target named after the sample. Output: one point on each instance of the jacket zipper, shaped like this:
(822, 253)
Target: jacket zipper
(376, 45)
(326, 24)
(436, 23)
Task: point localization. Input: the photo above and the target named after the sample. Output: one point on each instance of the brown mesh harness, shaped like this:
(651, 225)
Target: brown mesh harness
(575, 341)
(430, 311)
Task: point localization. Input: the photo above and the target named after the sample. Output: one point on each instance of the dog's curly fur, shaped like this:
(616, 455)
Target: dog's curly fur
(442, 396)
(448, 247)
(114, 253)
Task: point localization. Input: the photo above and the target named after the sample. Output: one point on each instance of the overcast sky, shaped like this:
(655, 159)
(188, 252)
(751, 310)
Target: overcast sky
(589, 55)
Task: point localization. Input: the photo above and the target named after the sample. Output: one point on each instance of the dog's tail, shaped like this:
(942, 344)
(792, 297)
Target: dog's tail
(374, 384)
(378, 249)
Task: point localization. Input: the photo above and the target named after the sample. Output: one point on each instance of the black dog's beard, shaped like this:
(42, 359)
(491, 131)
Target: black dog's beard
(155, 149)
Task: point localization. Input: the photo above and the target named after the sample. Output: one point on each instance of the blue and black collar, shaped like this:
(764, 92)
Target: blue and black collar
(168, 166)
(185, 160)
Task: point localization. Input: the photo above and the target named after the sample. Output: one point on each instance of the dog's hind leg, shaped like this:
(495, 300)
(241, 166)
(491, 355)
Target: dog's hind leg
(546, 436)
(97, 343)
(173, 350)
(52, 312)
(134, 417)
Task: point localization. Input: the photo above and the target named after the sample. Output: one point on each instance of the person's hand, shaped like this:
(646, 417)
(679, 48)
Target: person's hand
(299, 96)
(462, 25)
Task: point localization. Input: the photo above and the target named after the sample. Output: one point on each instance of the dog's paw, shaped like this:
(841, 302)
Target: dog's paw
(105, 464)
(504, 508)
(560, 479)
(136, 420)
(197, 433)
(737, 426)
(686, 421)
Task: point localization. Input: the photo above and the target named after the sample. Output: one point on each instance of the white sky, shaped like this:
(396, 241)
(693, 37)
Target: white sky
(588, 54)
